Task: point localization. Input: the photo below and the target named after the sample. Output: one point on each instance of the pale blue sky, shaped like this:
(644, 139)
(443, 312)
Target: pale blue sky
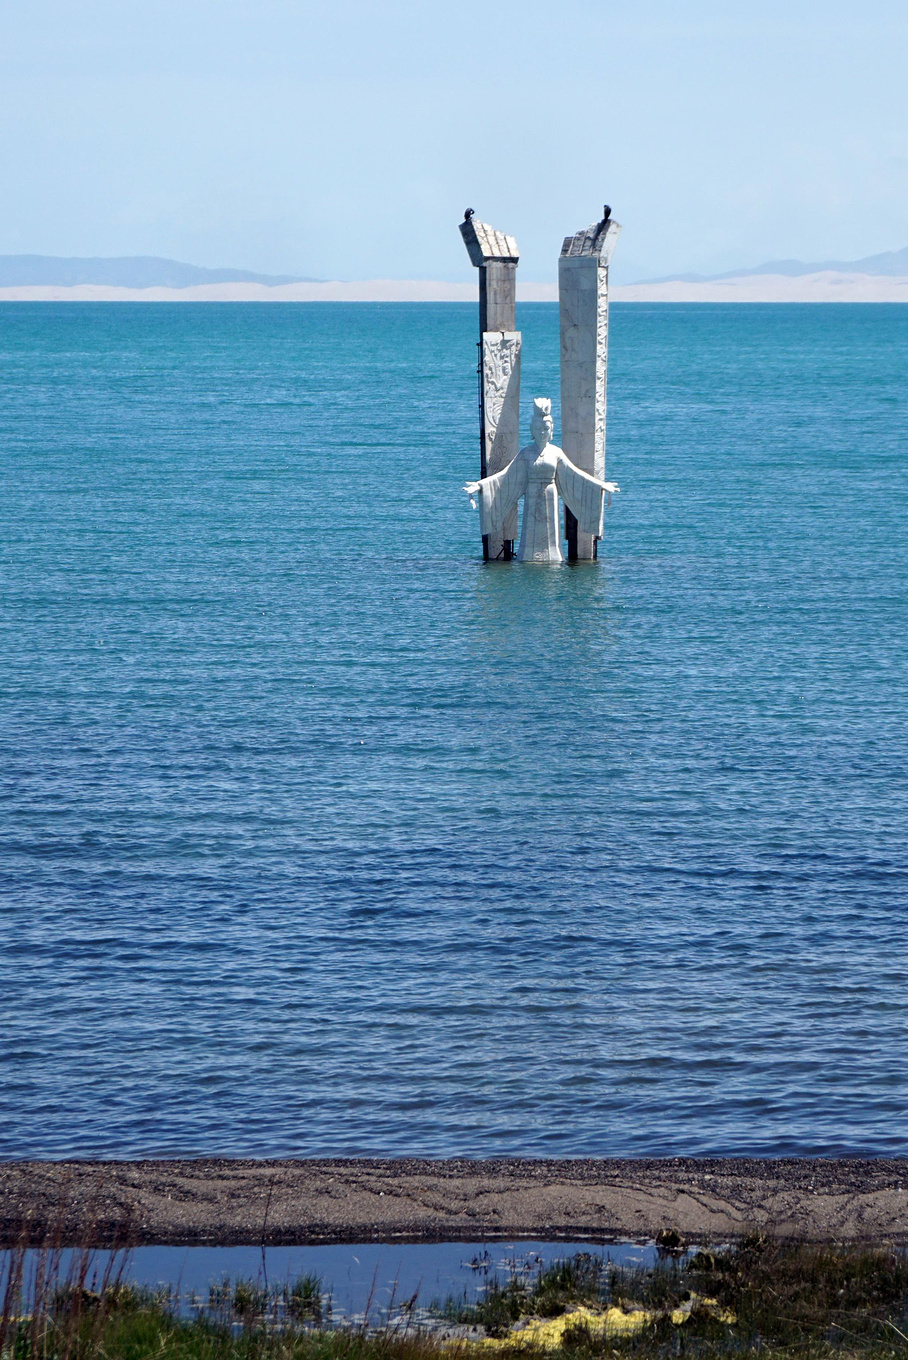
(345, 140)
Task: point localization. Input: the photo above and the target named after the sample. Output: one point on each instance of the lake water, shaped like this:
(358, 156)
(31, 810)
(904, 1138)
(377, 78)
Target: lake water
(321, 837)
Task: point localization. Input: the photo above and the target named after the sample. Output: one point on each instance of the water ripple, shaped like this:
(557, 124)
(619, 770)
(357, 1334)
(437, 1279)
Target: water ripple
(322, 838)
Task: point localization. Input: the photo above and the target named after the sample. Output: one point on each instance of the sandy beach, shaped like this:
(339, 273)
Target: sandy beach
(227, 1202)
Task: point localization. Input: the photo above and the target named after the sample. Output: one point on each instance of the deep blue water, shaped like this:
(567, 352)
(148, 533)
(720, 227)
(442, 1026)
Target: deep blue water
(322, 837)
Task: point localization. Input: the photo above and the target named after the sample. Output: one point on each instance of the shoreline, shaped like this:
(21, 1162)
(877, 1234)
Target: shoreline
(232, 1202)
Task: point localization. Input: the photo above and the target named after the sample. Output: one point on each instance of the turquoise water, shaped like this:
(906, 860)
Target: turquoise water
(322, 837)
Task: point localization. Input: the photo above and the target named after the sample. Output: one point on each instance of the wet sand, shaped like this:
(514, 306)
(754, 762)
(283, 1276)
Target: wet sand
(227, 1202)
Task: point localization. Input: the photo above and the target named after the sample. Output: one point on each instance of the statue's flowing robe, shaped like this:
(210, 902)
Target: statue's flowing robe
(538, 477)
(499, 497)
(583, 495)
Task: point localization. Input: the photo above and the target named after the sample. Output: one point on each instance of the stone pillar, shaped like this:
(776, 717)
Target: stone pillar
(583, 306)
(495, 256)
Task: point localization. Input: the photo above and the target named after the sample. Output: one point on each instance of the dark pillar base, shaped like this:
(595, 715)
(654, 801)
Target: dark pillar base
(578, 550)
(504, 553)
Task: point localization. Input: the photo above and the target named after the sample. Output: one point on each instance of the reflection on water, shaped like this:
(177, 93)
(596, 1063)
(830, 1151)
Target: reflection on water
(363, 1280)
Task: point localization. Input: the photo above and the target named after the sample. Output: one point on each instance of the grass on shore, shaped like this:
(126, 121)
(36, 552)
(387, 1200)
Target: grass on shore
(781, 1294)
(766, 1299)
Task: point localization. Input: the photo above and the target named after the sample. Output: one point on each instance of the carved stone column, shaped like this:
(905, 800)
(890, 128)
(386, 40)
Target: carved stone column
(495, 256)
(583, 304)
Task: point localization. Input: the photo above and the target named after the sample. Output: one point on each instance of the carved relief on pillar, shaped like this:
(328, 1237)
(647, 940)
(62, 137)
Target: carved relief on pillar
(583, 293)
(501, 405)
(495, 255)
(501, 397)
(601, 369)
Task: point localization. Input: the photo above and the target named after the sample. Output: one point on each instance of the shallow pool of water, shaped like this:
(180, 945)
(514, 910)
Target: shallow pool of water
(373, 1280)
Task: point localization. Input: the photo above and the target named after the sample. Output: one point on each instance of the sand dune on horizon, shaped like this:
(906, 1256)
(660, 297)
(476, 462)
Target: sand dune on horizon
(826, 286)
(369, 290)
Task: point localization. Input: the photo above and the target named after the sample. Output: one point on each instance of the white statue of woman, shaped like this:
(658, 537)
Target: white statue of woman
(540, 473)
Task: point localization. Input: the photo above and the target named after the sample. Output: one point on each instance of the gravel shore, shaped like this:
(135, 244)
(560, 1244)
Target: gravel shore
(226, 1202)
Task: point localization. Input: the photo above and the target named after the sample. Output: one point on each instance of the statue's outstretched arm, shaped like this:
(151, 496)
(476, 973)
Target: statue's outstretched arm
(498, 495)
(582, 494)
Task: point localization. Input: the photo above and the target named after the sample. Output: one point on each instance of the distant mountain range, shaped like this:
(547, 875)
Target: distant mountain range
(892, 263)
(126, 271)
(139, 272)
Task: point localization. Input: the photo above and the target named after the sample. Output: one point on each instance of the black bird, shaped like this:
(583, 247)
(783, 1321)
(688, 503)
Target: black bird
(468, 214)
(602, 227)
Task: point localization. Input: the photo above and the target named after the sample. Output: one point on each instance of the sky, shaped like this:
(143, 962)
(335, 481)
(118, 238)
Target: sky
(345, 140)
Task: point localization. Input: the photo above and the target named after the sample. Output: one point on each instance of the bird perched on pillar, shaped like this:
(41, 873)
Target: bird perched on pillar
(468, 214)
(603, 225)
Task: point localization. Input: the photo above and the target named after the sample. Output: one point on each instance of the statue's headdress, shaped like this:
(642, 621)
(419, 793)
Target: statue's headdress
(542, 406)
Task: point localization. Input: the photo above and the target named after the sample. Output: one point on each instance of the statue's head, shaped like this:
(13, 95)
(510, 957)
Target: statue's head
(542, 427)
